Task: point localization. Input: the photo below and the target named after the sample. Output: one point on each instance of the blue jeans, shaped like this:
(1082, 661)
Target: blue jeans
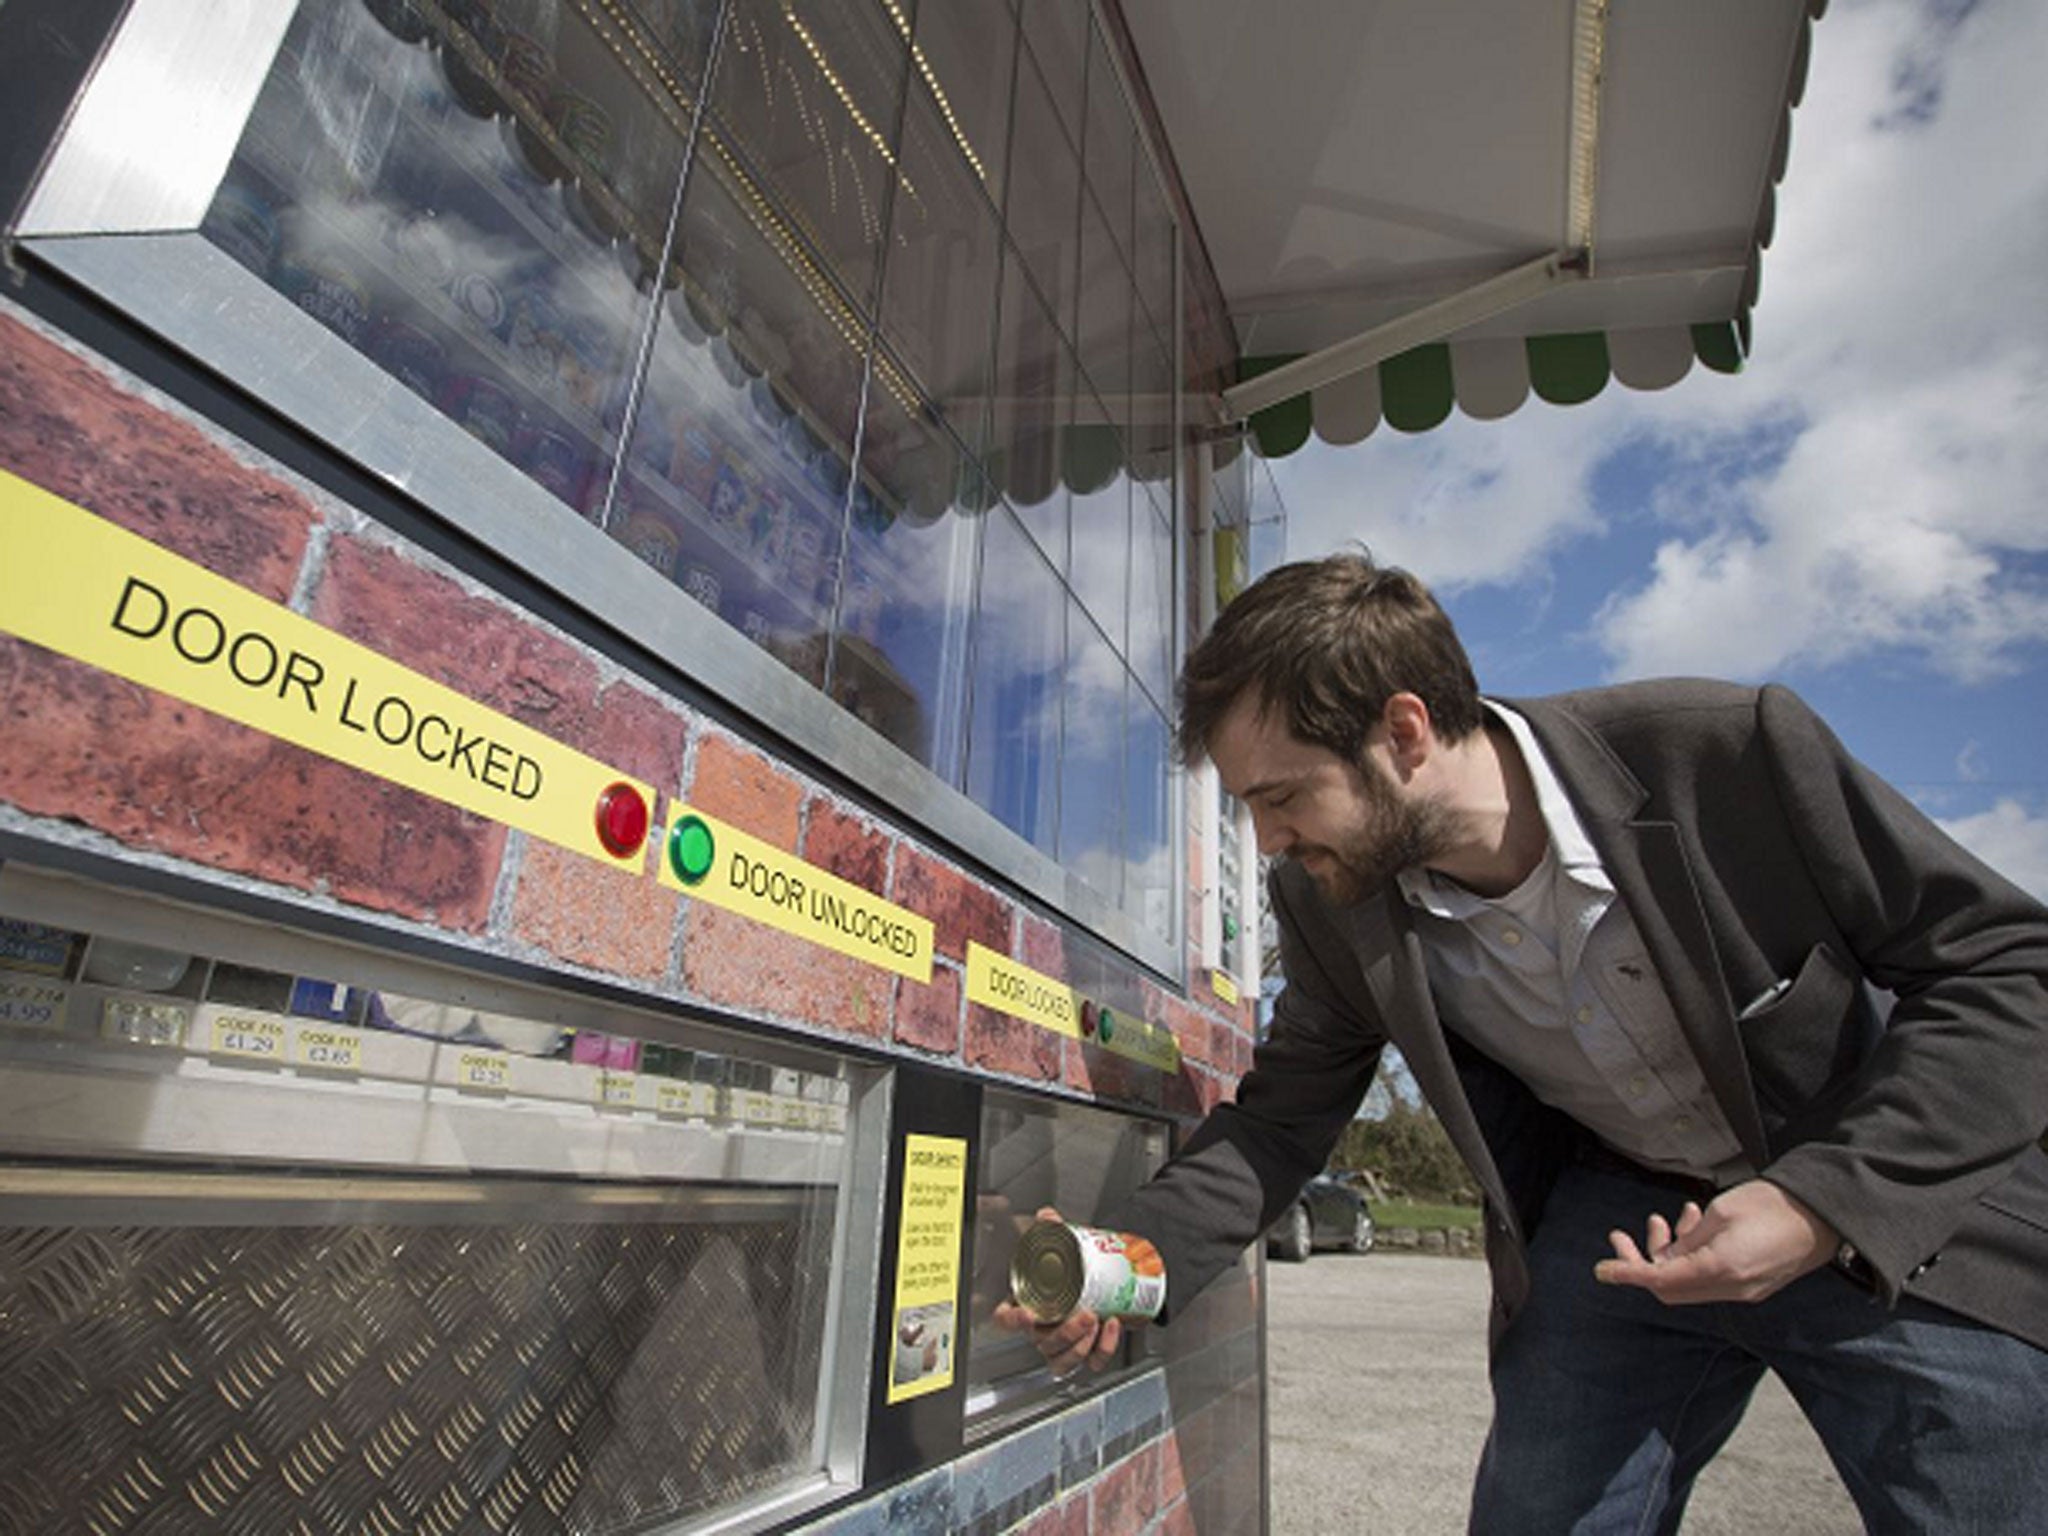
(1607, 1402)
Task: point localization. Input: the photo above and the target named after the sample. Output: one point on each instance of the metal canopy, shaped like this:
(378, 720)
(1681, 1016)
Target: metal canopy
(1381, 178)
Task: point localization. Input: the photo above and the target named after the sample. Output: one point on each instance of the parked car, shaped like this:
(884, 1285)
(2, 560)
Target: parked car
(1328, 1214)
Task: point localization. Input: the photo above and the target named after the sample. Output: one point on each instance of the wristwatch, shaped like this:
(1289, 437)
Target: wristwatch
(1855, 1266)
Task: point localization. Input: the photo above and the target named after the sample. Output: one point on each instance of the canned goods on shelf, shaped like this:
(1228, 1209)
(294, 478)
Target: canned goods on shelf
(413, 355)
(702, 583)
(1060, 1269)
(486, 409)
(649, 534)
(558, 463)
(326, 287)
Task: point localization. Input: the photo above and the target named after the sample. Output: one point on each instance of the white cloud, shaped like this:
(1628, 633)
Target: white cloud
(1901, 334)
(1864, 487)
(2011, 839)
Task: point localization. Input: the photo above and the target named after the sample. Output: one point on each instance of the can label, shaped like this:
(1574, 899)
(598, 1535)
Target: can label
(1060, 1269)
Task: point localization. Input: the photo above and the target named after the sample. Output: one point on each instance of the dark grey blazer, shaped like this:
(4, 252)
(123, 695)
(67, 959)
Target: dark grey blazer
(1751, 849)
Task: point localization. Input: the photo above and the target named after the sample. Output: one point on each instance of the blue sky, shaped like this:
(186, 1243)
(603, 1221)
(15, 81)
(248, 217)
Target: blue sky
(1863, 512)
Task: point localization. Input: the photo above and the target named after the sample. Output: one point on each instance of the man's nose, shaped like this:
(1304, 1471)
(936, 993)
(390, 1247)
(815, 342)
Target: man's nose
(1273, 839)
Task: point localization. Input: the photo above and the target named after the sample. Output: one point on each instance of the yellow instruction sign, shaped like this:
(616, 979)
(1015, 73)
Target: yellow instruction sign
(716, 862)
(996, 981)
(91, 590)
(927, 1332)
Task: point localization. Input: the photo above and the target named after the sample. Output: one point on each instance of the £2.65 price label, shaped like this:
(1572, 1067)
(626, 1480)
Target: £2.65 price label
(327, 1049)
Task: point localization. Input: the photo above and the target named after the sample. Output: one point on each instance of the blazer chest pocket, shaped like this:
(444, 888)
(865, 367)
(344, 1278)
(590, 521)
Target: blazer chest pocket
(1808, 1038)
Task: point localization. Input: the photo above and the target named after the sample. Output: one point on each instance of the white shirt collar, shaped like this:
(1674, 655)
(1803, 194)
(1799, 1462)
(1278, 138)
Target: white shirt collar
(1573, 850)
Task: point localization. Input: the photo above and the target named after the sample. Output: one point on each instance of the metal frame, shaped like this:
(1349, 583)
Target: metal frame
(117, 212)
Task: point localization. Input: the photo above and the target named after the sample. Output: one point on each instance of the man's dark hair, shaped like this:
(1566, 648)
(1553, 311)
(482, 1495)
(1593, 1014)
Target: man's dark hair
(1327, 643)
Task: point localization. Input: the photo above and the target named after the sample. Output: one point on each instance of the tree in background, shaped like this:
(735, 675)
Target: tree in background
(1399, 1140)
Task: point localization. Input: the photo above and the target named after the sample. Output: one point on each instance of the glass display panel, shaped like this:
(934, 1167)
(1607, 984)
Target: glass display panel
(467, 195)
(945, 256)
(1151, 650)
(1056, 39)
(1102, 553)
(1035, 380)
(736, 477)
(1106, 314)
(1148, 851)
(965, 51)
(899, 659)
(1110, 149)
(1091, 758)
(682, 304)
(394, 1258)
(1042, 214)
(1154, 264)
(807, 96)
(1013, 753)
(1079, 1160)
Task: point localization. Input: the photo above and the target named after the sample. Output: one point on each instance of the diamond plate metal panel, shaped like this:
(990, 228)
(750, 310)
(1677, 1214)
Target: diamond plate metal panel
(404, 1379)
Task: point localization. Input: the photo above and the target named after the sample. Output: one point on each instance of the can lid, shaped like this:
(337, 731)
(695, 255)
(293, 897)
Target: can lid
(1047, 1271)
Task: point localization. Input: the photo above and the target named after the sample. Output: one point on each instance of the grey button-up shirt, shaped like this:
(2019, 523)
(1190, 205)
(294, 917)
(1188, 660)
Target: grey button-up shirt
(1552, 981)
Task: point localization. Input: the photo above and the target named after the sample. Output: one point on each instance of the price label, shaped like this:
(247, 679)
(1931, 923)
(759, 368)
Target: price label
(699, 1100)
(246, 1036)
(329, 1050)
(483, 1071)
(757, 1108)
(32, 1004)
(618, 1090)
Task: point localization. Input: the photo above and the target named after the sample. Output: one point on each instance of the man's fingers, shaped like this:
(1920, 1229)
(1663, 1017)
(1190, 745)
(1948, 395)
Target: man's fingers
(1660, 1236)
(1625, 1248)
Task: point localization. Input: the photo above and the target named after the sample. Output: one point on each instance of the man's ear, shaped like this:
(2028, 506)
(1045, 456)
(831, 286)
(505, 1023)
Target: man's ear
(1411, 736)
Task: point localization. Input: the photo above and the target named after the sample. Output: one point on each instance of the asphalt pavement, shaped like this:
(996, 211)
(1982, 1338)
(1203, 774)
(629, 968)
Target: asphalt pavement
(1377, 1367)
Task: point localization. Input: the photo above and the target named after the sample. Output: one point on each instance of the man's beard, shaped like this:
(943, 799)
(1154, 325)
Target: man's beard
(1395, 835)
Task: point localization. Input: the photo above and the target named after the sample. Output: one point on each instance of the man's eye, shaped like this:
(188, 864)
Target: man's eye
(1275, 802)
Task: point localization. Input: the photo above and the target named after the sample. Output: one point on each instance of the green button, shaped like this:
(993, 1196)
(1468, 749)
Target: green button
(691, 850)
(1105, 1024)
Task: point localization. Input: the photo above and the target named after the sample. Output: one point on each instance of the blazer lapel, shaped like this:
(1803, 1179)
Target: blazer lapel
(1645, 859)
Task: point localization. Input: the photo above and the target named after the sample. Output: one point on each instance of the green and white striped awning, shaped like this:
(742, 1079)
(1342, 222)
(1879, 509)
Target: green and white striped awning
(1397, 210)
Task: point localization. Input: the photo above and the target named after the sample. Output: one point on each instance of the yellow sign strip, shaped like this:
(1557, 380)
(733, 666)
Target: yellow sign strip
(90, 590)
(996, 981)
(715, 862)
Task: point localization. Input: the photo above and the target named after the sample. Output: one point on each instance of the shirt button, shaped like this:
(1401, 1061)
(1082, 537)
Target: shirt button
(1511, 937)
(1682, 1124)
(1585, 1015)
(1638, 1085)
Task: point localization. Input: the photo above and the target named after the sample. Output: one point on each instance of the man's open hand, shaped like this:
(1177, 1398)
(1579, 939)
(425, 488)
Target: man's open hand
(1750, 1241)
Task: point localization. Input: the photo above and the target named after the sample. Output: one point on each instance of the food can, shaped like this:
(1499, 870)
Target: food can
(702, 583)
(416, 357)
(486, 409)
(1060, 1269)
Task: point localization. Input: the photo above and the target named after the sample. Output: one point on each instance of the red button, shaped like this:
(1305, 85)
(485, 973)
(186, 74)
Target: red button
(622, 820)
(1087, 1017)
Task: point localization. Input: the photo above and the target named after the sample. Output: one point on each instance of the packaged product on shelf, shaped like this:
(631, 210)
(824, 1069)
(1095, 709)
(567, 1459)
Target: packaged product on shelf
(485, 408)
(732, 494)
(702, 583)
(584, 127)
(326, 285)
(477, 294)
(693, 465)
(559, 463)
(536, 331)
(412, 354)
(768, 536)
(644, 527)
(529, 68)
